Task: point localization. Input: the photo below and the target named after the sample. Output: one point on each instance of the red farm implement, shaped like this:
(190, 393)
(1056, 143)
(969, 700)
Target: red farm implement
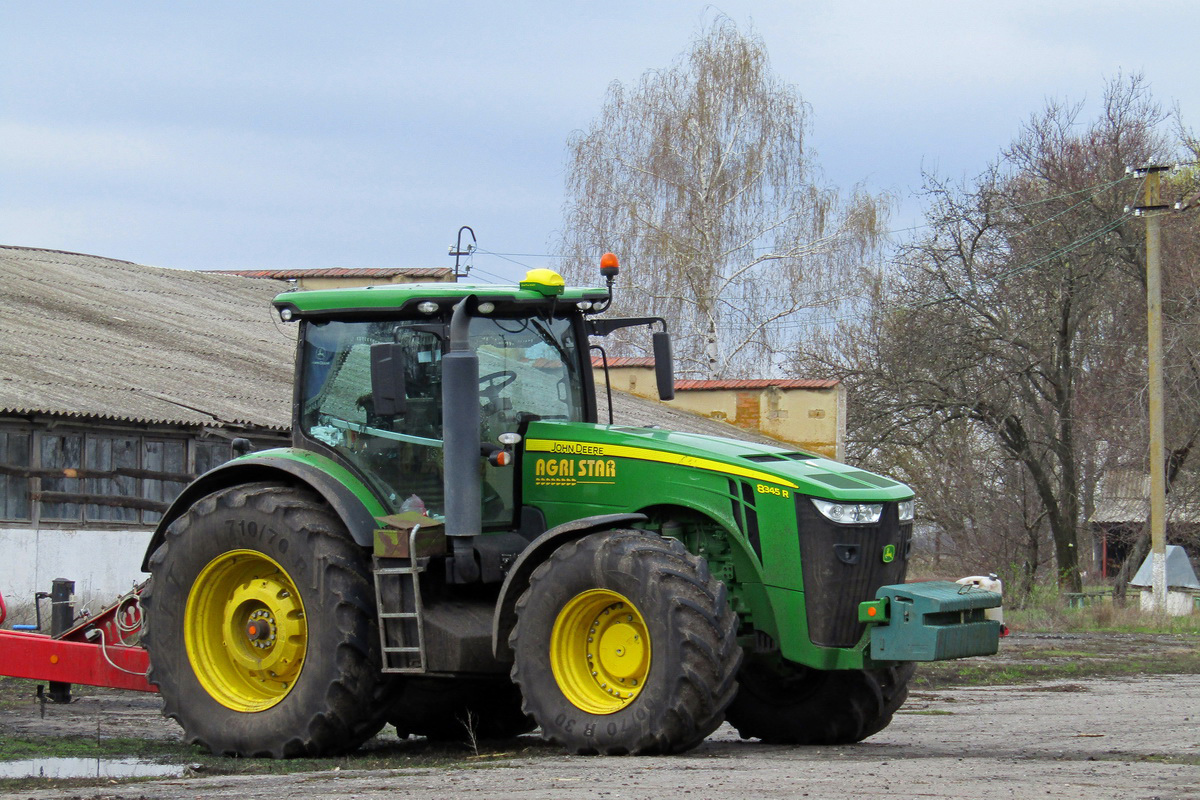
(95, 649)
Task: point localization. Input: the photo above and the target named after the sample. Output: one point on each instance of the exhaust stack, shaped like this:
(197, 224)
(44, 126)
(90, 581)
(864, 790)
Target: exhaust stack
(461, 431)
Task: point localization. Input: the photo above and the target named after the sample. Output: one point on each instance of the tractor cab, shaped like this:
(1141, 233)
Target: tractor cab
(371, 393)
(416, 388)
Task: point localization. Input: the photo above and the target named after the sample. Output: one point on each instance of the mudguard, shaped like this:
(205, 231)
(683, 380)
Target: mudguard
(517, 580)
(352, 501)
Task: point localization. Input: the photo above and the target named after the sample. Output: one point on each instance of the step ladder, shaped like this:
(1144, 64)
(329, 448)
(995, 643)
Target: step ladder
(401, 622)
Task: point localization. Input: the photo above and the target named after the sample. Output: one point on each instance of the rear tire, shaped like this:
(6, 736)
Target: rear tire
(784, 703)
(625, 644)
(262, 632)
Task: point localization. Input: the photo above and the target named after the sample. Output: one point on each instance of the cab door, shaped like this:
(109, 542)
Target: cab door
(396, 446)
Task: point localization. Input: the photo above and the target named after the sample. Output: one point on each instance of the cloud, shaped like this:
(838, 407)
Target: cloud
(291, 133)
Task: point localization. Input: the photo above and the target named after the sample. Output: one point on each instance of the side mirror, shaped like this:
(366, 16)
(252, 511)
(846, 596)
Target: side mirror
(664, 365)
(387, 379)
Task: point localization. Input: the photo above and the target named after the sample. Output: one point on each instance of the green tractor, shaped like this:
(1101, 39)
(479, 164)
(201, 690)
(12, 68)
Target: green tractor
(455, 544)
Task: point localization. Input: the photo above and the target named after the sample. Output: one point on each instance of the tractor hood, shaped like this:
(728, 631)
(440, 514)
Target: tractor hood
(803, 472)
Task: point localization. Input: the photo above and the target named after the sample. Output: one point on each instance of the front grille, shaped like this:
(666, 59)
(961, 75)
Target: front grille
(843, 566)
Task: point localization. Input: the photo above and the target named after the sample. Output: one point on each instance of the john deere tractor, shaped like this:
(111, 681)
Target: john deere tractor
(456, 544)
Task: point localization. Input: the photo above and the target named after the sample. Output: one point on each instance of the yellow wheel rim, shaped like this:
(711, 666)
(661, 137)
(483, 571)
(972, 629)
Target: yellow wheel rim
(244, 630)
(600, 651)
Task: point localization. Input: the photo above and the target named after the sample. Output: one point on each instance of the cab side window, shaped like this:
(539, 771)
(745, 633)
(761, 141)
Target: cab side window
(400, 454)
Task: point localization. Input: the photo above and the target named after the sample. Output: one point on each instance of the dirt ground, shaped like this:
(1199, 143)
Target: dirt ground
(1125, 737)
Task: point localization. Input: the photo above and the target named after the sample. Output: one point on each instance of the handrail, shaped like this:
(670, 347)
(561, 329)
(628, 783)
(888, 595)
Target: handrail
(359, 427)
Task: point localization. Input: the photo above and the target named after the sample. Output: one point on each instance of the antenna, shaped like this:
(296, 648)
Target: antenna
(457, 251)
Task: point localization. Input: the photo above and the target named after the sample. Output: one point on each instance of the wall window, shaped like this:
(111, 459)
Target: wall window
(112, 454)
(209, 455)
(14, 489)
(61, 452)
(99, 469)
(162, 456)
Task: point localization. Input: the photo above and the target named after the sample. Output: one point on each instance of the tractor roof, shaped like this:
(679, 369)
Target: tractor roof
(539, 288)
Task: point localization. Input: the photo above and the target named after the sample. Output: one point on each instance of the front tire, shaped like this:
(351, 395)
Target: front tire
(625, 644)
(261, 632)
(784, 703)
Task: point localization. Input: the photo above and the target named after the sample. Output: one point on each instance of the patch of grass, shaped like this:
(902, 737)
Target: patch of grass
(1049, 653)
(381, 753)
(1047, 611)
(21, 748)
(15, 692)
(1089, 665)
(386, 752)
(24, 747)
(10, 785)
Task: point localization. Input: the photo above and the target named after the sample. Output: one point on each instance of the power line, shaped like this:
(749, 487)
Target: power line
(514, 261)
(497, 278)
(1002, 276)
(518, 255)
(1006, 274)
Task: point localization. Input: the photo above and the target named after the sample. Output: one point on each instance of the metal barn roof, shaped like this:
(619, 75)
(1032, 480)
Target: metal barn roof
(84, 336)
(756, 383)
(1124, 497)
(1180, 574)
(633, 411)
(90, 337)
(370, 273)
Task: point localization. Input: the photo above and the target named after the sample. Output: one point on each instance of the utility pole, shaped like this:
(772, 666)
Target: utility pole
(1152, 208)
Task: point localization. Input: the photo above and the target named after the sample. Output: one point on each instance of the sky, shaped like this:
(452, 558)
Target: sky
(277, 135)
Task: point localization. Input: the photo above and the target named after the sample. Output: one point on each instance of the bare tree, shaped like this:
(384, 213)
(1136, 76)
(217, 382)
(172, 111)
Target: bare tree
(700, 179)
(1013, 312)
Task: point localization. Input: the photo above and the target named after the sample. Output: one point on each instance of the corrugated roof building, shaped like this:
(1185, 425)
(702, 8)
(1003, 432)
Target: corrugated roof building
(89, 337)
(343, 277)
(118, 382)
(1122, 514)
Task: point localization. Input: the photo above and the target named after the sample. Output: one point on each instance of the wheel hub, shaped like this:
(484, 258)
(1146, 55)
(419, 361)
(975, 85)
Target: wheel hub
(600, 651)
(622, 650)
(260, 630)
(245, 631)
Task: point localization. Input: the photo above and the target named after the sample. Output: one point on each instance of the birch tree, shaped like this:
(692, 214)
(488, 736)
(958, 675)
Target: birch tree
(700, 178)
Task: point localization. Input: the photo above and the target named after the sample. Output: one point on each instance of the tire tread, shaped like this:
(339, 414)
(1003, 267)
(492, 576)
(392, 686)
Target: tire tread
(697, 608)
(346, 712)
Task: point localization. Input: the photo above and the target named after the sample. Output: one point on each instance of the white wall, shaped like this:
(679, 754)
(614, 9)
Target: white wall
(1179, 601)
(103, 563)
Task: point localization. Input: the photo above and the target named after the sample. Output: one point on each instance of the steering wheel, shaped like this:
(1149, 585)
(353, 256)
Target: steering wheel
(491, 384)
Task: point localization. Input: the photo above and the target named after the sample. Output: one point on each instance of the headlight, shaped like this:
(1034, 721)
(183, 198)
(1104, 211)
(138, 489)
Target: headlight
(850, 513)
(906, 507)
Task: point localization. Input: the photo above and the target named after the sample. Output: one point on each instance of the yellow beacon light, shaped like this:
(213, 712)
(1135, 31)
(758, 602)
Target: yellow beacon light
(544, 281)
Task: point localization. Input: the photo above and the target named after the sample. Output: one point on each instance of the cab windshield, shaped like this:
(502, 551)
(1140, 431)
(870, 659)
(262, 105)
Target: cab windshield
(528, 368)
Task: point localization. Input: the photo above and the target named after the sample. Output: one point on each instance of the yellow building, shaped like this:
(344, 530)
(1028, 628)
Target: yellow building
(810, 414)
